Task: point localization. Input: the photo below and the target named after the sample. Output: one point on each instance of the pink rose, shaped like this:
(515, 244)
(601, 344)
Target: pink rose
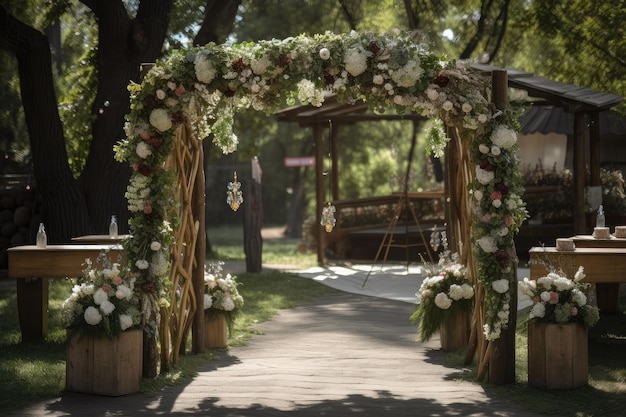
(486, 218)
(117, 280)
(508, 220)
(106, 288)
(147, 208)
(180, 90)
(574, 311)
(496, 195)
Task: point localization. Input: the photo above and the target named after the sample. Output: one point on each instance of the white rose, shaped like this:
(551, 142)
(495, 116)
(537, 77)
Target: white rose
(447, 105)
(205, 71)
(142, 264)
(160, 119)
(160, 94)
(478, 195)
(432, 94)
(487, 244)
(126, 321)
(545, 296)
(155, 246)
(496, 203)
(107, 307)
(483, 176)
(143, 150)
(580, 274)
(503, 137)
(443, 301)
(538, 310)
(466, 107)
(482, 118)
(100, 296)
(228, 304)
(325, 54)
(500, 286)
(484, 149)
(92, 316)
(123, 292)
(378, 79)
(455, 292)
(579, 297)
(495, 150)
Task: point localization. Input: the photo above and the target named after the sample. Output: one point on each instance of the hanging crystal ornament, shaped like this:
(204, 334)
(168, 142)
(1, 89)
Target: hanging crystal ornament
(234, 196)
(435, 240)
(328, 218)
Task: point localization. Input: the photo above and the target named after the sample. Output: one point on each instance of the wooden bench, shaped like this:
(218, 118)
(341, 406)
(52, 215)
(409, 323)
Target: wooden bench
(32, 266)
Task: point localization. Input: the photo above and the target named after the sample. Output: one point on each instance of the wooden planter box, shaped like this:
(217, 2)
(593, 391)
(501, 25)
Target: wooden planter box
(216, 331)
(455, 332)
(558, 355)
(99, 365)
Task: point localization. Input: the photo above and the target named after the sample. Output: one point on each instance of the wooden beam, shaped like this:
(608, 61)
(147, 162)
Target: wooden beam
(580, 223)
(318, 139)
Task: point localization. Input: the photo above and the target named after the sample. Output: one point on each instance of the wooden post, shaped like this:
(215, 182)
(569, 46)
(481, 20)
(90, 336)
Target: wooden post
(252, 223)
(580, 223)
(334, 157)
(502, 358)
(318, 136)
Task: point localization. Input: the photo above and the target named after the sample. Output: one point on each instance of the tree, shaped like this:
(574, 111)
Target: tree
(84, 205)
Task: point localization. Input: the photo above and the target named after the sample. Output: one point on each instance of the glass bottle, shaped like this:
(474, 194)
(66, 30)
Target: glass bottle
(600, 217)
(113, 227)
(42, 239)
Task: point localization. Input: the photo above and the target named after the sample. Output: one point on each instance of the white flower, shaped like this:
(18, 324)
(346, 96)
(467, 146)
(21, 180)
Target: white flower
(205, 71)
(155, 246)
(482, 118)
(545, 296)
(228, 304)
(580, 274)
(92, 315)
(126, 321)
(563, 284)
(378, 79)
(478, 195)
(503, 137)
(484, 149)
(325, 54)
(123, 292)
(100, 296)
(496, 203)
(432, 94)
(107, 307)
(495, 150)
(355, 62)
(528, 287)
(260, 65)
(500, 286)
(160, 119)
(447, 105)
(468, 291)
(143, 150)
(538, 310)
(443, 301)
(408, 75)
(208, 301)
(160, 94)
(546, 281)
(483, 176)
(466, 107)
(455, 292)
(579, 297)
(487, 244)
(142, 264)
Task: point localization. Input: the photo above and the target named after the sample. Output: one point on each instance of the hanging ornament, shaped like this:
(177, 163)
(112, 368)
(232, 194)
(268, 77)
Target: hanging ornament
(234, 196)
(328, 218)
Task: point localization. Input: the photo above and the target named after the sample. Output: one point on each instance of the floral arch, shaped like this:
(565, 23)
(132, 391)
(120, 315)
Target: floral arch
(195, 93)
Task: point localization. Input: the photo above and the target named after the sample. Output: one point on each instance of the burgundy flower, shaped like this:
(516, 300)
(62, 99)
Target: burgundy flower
(486, 165)
(502, 257)
(154, 141)
(330, 79)
(143, 168)
(372, 47)
(502, 188)
(229, 93)
(178, 117)
(238, 65)
(441, 80)
(150, 102)
(147, 288)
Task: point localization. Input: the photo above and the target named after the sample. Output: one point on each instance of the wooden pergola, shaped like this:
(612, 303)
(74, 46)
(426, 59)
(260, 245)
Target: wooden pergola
(585, 104)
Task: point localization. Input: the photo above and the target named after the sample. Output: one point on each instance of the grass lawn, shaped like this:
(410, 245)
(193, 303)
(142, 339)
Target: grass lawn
(36, 371)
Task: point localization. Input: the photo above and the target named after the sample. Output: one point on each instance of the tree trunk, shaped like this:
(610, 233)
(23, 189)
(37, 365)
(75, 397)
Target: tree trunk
(124, 44)
(65, 212)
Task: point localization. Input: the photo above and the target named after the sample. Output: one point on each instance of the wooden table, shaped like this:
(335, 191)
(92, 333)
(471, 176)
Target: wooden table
(33, 266)
(99, 239)
(588, 241)
(603, 265)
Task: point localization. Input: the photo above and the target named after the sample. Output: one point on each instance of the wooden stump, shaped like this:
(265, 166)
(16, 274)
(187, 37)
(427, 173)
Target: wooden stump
(99, 365)
(455, 332)
(558, 355)
(216, 330)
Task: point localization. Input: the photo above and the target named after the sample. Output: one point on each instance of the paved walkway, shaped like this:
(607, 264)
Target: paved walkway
(342, 355)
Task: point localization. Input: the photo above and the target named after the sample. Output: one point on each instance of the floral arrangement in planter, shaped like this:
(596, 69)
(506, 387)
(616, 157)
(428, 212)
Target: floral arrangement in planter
(104, 301)
(559, 299)
(221, 293)
(444, 292)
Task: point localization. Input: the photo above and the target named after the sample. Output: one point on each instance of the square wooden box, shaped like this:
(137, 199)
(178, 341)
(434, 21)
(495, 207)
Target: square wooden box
(99, 365)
